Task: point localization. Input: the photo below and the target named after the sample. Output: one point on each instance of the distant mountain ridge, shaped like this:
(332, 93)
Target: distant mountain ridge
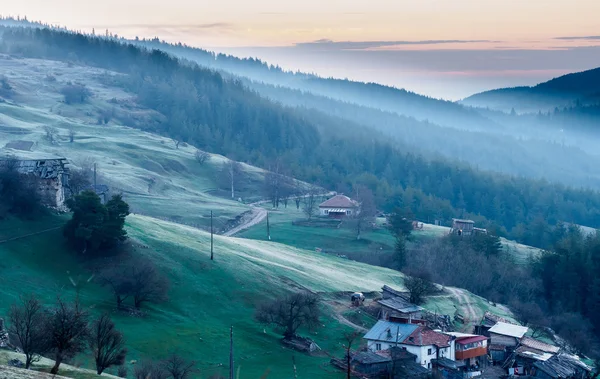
(571, 90)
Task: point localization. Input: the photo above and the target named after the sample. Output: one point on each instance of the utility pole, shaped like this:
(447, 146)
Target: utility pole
(268, 227)
(95, 184)
(294, 363)
(211, 237)
(231, 354)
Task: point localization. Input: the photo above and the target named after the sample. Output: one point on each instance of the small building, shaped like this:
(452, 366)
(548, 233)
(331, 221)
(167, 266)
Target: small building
(339, 206)
(563, 366)
(397, 307)
(462, 227)
(488, 321)
(385, 334)
(504, 339)
(507, 334)
(523, 359)
(472, 351)
(370, 364)
(50, 174)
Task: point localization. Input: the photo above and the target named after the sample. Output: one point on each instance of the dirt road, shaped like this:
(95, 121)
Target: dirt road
(258, 214)
(468, 311)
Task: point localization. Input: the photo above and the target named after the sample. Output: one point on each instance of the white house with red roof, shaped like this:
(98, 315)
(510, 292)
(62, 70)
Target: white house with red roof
(422, 341)
(338, 206)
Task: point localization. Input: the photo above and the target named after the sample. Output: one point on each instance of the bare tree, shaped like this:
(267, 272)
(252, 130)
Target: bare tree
(349, 339)
(232, 175)
(147, 283)
(150, 370)
(72, 135)
(27, 328)
(310, 203)
(116, 278)
(366, 208)
(298, 194)
(277, 185)
(68, 331)
(202, 157)
(177, 143)
(51, 134)
(419, 285)
(107, 344)
(79, 179)
(290, 312)
(178, 367)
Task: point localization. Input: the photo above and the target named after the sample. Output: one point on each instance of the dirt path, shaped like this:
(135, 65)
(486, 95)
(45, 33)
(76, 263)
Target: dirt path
(29, 235)
(258, 214)
(468, 311)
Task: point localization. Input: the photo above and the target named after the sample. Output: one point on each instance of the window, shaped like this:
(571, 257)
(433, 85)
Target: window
(428, 351)
(378, 346)
(429, 365)
(348, 212)
(326, 211)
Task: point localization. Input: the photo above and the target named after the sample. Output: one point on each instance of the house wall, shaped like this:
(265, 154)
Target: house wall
(498, 339)
(422, 352)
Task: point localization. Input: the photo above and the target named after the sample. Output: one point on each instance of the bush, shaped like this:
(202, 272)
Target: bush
(18, 193)
(75, 93)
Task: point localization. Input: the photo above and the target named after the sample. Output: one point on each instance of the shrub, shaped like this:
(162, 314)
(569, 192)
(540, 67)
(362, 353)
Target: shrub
(75, 93)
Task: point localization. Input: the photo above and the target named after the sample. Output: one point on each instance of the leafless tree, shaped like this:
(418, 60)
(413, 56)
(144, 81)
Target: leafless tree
(277, 185)
(178, 367)
(79, 179)
(177, 143)
(419, 285)
(202, 157)
(290, 312)
(68, 330)
(349, 339)
(51, 134)
(72, 135)
(147, 283)
(150, 370)
(298, 194)
(366, 208)
(310, 203)
(107, 344)
(27, 328)
(116, 278)
(232, 175)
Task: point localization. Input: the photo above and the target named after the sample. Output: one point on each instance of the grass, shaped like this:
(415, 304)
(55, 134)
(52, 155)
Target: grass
(156, 178)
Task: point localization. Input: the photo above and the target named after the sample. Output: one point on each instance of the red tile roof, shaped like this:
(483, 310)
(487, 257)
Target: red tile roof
(424, 336)
(339, 201)
(466, 340)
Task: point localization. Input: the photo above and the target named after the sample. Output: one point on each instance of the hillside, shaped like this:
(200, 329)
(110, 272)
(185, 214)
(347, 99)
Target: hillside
(563, 91)
(201, 308)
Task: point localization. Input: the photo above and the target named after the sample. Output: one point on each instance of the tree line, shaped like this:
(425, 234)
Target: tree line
(222, 116)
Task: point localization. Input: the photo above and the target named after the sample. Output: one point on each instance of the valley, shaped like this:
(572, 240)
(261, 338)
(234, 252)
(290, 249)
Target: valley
(190, 149)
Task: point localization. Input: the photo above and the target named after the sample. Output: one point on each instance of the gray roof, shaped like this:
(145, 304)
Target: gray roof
(368, 357)
(400, 305)
(463, 221)
(391, 332)
(448, 363)
(562, 366)
(510, 330)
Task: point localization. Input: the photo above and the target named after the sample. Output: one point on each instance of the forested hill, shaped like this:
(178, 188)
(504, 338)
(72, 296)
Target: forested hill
(199, 106)
(576, 89)
(401, 101)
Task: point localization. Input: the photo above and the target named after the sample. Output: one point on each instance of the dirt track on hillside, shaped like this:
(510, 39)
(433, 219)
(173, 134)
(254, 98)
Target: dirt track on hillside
(258, 214)
(469, 312)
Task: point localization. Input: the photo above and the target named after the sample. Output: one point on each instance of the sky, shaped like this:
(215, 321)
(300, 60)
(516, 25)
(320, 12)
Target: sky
(441, 48)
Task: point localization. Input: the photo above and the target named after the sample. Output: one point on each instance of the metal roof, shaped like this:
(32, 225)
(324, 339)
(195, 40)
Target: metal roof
(467, 340)
(463, 221)
(510, 330)
(400, 305)
(534, 354)
(392, 332)
(539, 345)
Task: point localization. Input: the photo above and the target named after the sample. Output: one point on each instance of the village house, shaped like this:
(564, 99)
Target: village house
(522, 360)
(504, 339)
(471, 349)
(561, 366)
(50, 173)
(339, 206)
(425, 343)
(396, 307)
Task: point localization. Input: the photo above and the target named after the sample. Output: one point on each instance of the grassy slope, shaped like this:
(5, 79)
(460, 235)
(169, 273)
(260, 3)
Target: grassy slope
(128, 159)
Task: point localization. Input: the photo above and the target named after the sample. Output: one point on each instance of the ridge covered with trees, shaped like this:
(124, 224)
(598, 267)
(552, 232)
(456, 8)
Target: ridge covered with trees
(202, 108)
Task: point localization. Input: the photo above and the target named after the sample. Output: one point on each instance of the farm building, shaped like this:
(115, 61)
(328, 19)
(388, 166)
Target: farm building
(397, 307)
(504, 339)
(462, 227)
(563, 366)
(50, 174)
(338, 206)
(472, 350)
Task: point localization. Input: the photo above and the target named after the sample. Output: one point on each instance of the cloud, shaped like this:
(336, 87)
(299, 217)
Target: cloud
(327, 44)
(214, 26)
(579, 38)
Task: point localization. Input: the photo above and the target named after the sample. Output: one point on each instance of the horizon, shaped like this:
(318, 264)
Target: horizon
(441, 50)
